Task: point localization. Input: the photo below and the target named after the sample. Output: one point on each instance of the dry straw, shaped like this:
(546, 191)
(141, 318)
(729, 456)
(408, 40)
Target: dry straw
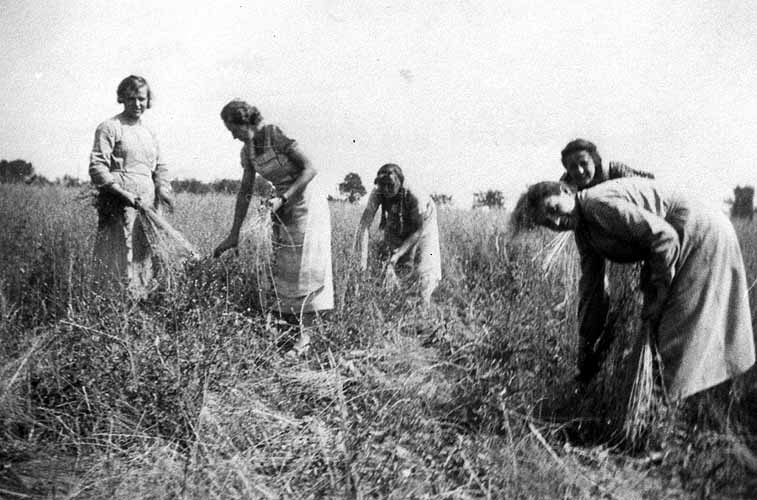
(169, 247)
(641, 399)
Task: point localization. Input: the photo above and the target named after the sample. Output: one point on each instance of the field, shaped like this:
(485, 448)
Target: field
(189, 394)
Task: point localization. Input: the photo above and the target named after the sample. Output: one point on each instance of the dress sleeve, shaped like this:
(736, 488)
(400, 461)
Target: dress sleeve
(160, 175)
(594, 299)
(279, 141)
(100, 159)
(617, 170)
(655, 238)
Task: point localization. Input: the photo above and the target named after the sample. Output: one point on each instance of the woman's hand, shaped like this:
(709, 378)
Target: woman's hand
(275, 203)
(231, 241)
(652, 310)
(394, 258)
(165, 197)
(135, 201)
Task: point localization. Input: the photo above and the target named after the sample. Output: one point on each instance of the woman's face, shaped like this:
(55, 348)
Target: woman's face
(242, 132)
(135, 102)
(580, 167)
(388, 186)
(559, 211)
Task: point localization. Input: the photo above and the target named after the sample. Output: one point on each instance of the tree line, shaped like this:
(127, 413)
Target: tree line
(351, 188)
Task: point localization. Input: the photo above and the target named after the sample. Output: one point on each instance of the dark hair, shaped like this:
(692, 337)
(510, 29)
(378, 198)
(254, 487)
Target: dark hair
(389, 169)
(240, 112)
(582, 145)
(528, 210)
(133, 83)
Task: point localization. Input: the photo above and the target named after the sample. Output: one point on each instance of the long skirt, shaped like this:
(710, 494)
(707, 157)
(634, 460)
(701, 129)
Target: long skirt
(302, 278)
(705, 333)
(122, 255)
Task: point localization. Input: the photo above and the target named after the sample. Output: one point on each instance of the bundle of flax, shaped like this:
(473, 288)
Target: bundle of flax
(170, 249)
(626, 389)
(624, 395)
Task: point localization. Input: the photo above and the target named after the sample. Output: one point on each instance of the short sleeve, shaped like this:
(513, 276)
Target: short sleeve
(279, 141)
(617, 170)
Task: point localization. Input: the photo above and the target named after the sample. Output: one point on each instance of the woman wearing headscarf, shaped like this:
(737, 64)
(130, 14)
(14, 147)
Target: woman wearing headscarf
(584, 167)
(695, 294)
(302, 276)
(411, 232)
(128, 170)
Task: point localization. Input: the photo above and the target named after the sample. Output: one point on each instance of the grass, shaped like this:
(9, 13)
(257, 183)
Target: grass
(189, 394)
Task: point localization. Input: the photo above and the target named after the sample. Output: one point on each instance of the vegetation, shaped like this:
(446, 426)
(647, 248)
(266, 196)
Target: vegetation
(352, 187)
(441, 198)
(189, 394)
(491, 198)
(743, 202)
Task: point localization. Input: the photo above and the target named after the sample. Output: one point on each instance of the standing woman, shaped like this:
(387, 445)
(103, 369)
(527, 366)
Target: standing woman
(584, 167)
(696, 303)
(411, 232)
(301, 218)
(128, 171)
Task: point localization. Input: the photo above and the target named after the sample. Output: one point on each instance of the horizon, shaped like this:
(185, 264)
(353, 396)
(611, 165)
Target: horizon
(465, 97)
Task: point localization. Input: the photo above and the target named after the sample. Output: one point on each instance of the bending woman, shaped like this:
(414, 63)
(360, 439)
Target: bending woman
(301, 218)
(411, 232)
(127, 169)
(695, 294)
(584, 167)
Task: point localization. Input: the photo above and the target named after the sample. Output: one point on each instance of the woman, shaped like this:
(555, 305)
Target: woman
(695, 294)
(584, 167)
(411, 233)
(301, 218)
(127, 169)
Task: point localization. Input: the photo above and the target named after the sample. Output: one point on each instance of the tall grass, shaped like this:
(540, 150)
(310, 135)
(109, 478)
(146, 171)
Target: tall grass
(189, 394)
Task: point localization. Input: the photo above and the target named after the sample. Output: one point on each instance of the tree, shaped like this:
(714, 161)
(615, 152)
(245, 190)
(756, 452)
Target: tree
(743, 202)
(441, 198)
(491, 198)
(227, 186)
(15, 171)
(353, 187)
(69, 181)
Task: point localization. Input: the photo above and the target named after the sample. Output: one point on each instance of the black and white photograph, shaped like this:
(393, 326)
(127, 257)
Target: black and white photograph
(361, 250)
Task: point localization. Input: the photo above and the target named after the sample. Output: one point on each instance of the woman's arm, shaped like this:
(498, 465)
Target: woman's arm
(240, 212)
(415, 217)
(406, 245)
(307, 173)
(127, 196)
(163, 191)
(657, 239)
(593, 305)
(100, 163)
(363, 233)
(617, 169)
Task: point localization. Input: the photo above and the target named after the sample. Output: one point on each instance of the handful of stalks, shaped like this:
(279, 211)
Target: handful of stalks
(169, 247)
(627, 385)
(391, 280)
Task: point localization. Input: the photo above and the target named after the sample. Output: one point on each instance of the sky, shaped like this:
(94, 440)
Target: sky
(465, 96)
